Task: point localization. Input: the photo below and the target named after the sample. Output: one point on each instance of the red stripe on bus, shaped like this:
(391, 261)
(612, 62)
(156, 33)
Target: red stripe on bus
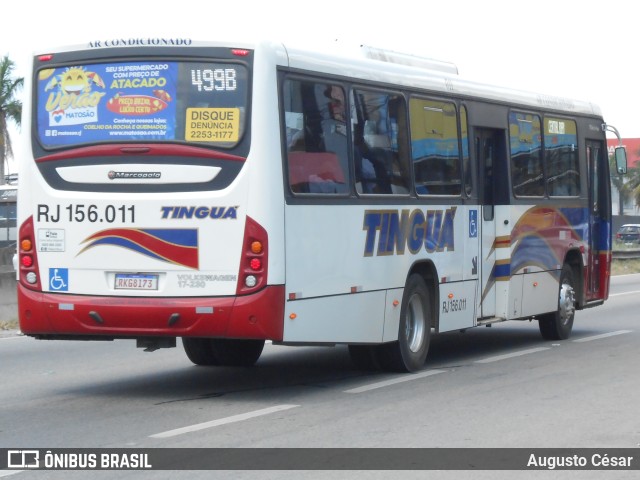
(147, 149)
(256, 316)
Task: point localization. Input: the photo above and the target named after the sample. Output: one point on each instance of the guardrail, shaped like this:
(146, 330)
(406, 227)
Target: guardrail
(625, 254)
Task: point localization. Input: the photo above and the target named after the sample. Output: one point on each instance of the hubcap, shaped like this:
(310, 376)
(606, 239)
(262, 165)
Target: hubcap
(566, 307)
(415, 323)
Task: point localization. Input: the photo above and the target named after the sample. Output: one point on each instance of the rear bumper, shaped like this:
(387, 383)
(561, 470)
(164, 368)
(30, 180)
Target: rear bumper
(51, 315)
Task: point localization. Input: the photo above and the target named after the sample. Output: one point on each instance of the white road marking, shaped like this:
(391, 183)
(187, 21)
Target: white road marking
(14, 337)
(404, 378)
(497, 358)
(222, 421)
(604, 335)
(6, 473)
(624, 293)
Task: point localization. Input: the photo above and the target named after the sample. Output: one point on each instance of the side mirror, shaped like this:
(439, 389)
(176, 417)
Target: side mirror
(621, 160)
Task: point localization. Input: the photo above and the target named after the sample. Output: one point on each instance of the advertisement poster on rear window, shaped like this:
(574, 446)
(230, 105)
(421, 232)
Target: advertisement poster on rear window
(109, 102)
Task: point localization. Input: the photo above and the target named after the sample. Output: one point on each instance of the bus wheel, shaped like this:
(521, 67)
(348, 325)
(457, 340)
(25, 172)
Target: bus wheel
(409, 352)
(223, 351)
(557, 325)
(199, 351)
(237, 353)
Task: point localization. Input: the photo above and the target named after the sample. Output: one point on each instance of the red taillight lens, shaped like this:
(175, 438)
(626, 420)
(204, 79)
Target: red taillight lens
(240, 52)
(27, 261)
(255, 264)
(254, 261)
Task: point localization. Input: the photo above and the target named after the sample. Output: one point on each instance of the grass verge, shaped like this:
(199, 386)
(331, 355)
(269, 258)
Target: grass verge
(8, 324)
(624, 267)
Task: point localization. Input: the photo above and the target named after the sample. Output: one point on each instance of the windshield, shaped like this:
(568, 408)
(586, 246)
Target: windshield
(142, 101)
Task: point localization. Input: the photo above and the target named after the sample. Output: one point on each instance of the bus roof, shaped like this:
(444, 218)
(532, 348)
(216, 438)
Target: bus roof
(368, 63)
(428, 74)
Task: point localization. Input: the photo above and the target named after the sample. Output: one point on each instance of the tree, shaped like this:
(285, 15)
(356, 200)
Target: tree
(628, 185)
(10, 109)
(633, 184)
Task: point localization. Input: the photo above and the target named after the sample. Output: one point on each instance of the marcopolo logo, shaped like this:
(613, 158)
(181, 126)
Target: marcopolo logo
(113, 175)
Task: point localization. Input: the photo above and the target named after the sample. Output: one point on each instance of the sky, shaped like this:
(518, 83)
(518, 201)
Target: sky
(582, 49)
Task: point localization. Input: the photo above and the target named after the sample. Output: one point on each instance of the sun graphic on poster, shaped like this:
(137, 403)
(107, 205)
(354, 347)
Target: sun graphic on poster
(74, 81)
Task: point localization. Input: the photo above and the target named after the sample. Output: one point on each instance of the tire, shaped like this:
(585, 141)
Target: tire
(237, 353)
(223, 352)
(558, 325)
(199, 351)
(409, 352)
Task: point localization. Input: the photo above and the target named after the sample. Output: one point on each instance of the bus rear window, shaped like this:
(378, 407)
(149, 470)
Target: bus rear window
(142, 101)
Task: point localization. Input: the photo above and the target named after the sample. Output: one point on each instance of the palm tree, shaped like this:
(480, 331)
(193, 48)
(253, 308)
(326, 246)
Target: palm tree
(628, 185)
(10, 109)
(633, 184)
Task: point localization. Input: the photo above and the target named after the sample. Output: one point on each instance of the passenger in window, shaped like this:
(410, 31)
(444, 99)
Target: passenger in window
(336, 104)
(296, 143)
(371, 169)
(334, 127)
(317, 150)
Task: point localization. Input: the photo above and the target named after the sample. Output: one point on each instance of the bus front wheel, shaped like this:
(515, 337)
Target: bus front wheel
(223, 351)
(409, 352)
(557, 325)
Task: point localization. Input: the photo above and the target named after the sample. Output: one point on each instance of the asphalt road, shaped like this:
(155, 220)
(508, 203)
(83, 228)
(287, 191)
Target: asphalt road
(502, 386)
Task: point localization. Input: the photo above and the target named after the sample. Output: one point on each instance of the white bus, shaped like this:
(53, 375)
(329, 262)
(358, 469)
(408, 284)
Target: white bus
(230, 194)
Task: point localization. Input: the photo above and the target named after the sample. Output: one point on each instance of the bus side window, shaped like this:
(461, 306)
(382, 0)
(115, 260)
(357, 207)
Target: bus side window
(435, 147)
(466, 160)
(561, 157)
(526, 155)
(317, 147)
(315, 172)
(380, 150)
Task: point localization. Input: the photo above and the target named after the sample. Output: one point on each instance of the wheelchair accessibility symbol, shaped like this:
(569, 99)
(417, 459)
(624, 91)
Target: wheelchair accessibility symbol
(473, 223)
(59, 279)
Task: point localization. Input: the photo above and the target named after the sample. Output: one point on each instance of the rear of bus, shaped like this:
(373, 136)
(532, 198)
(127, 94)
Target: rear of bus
(136, 217)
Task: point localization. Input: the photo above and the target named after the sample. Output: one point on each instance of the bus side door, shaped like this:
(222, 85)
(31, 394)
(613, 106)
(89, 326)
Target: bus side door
(599, 221)
(489, 147)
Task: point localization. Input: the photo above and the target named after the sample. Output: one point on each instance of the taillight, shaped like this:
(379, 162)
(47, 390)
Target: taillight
(28, 258)
(240, 52)
(255, 264)
(254, 261)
